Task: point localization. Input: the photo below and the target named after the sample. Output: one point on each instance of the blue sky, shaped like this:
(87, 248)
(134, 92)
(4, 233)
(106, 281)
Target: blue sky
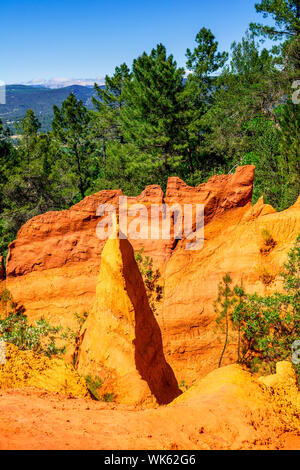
(44, 39)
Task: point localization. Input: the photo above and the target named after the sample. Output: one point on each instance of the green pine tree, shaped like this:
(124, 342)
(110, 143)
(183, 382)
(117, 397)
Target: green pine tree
(203, 62)
(151, 118)
(71, 128)
(29, 127)
(285, 13)
(108, 104)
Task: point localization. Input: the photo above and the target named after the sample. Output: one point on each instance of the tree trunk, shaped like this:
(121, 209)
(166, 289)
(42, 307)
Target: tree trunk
(81, 188)
(226, 341)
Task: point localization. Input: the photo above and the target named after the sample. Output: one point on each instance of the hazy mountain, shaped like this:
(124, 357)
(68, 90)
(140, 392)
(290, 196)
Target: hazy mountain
(65, 82)
(20, 98)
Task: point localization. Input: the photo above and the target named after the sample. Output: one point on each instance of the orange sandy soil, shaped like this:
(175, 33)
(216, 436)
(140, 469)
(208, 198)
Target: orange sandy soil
(34, 419)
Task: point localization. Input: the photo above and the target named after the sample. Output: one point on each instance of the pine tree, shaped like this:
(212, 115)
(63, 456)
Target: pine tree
(285, 13)
(203, 63)
(71, 128)
(223, 307)
(288, 120)
(108, 104)
(29, 127)
(150, 119)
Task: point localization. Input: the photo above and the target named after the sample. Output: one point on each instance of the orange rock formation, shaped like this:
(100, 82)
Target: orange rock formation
(53, 271)
(29, 369)
(121, 340)
(57, 254)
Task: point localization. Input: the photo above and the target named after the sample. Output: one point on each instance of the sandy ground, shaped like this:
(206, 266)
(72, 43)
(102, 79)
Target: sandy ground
(34, 419)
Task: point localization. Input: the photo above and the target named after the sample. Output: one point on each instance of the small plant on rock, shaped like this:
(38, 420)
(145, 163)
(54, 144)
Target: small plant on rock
(93, 384)
(108, 397)
(268, 243)
(265, 276)
(223, 307)
(151, 278)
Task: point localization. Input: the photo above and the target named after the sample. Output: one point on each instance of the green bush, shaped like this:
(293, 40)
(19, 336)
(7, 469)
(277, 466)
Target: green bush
(267, 325)
(40, 336)
(108, 397)
(93, 384)
(151, 277)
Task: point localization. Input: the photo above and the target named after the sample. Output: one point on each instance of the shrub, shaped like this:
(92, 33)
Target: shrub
(151, 278)
(93, 384)
(267, 325)
(108, 397)
(40, 336)
(268, 243)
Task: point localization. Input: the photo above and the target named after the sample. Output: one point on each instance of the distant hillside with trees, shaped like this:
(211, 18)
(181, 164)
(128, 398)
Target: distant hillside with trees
(20, 98)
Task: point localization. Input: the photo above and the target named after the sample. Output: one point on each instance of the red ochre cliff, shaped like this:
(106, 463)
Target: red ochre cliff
(53, 265)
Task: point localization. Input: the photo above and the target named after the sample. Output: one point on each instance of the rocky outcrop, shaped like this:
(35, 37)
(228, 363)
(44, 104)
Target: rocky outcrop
(220, 194)
(121, 340)
(57, 254)
(232, 245)
(53, 266)
(285, 392)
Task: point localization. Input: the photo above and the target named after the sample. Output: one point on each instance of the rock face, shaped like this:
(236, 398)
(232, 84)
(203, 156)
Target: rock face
(233, 244)
(121, 340)
(57, 254)
(28, 369)
(220, 194)
(285, 393)
(53, 266)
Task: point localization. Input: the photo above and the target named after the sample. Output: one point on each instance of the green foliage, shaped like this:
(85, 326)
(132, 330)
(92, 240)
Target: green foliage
(205, 60)
(249, 124)
(150, 118)
(223, 306)
(81, 318)
(286, 14)
(109, 102)
(151, 277)
(108, 397)
(267, 326)
(183, 386)
(93, 385)
(149, 122)
(71, 127)
(40, 336)
(197, 97)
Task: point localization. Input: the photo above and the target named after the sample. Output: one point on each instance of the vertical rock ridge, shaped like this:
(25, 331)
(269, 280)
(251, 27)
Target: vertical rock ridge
(122, 340)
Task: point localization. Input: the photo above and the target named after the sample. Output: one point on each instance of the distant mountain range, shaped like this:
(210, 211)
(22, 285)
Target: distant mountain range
(64, 82)
(20, 98)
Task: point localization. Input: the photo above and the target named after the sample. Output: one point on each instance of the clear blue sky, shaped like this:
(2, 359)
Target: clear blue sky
(87, 39)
